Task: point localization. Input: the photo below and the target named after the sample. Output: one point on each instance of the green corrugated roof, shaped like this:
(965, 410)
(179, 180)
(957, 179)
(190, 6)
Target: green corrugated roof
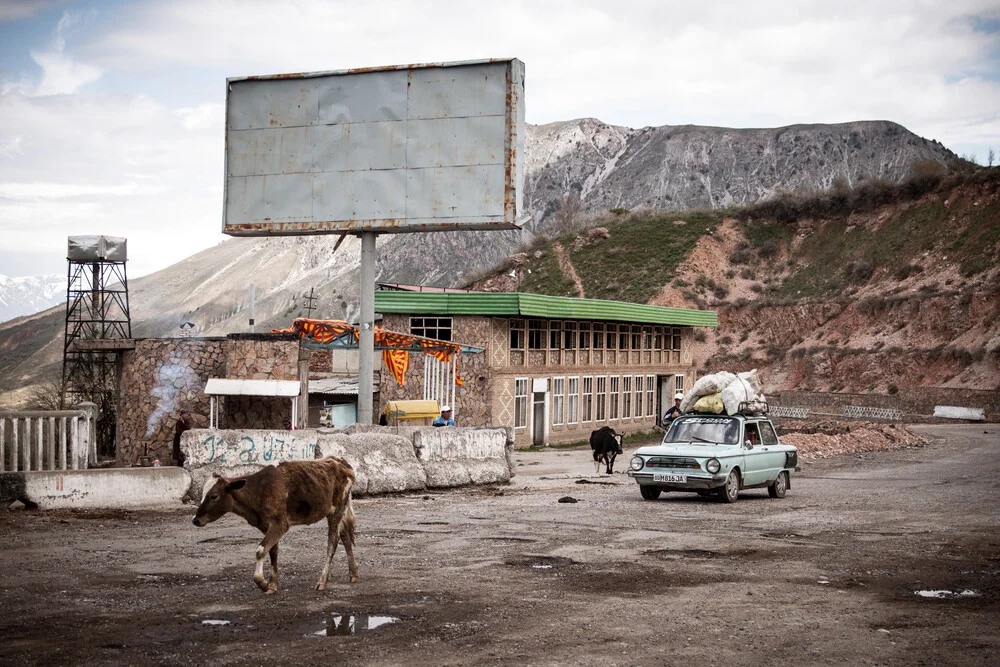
(513, 304)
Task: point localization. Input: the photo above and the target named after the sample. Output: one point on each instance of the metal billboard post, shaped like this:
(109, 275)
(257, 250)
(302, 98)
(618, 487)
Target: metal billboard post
(366, 330)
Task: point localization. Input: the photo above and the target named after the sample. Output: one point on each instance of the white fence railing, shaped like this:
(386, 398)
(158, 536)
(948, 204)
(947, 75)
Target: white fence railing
(33, 440)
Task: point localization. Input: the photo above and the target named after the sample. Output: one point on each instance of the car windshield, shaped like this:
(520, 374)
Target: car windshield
(704, 429)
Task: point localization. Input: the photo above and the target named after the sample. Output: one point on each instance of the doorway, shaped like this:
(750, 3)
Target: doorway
(538, 418)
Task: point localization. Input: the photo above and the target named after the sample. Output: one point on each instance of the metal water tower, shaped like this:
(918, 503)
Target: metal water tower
(98, 326)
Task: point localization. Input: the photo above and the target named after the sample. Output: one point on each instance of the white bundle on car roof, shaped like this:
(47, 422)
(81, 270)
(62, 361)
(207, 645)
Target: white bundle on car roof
(733, 390)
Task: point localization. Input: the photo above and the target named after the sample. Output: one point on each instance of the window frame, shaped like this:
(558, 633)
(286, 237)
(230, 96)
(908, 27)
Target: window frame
(420, 325)
(573, 400)
(558, 400)
(519, 397)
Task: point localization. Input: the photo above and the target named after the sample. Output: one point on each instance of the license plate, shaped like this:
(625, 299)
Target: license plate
(665, 477)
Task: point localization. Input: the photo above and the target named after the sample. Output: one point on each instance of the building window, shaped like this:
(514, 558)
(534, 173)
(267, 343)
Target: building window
(636, 337)
(573, 401)
(587, 400)
(558, 399)
(658, 343)
(650, 395)
(638, 384)
(647, 338)
(623, 337)
(517, 334)
(438, 328)
(598, 336)
(520, 402)
(536, 334)
(584, 335)
(612, 337)
(679, 383)
(555, 335)
(569, 335)
(676, 336)
(601, 399)
(614, 383)
(627, 397)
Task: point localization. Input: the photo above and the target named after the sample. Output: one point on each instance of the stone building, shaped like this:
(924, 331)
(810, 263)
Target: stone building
(162, 376)
(554, 368)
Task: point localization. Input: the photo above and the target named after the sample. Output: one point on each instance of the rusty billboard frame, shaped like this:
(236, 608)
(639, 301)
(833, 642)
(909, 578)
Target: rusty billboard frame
(383, 149)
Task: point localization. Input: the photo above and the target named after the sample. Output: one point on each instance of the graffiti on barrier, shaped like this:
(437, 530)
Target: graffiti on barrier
(257, 448)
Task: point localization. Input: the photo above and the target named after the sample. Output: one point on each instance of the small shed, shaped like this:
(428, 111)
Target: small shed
(216, 387)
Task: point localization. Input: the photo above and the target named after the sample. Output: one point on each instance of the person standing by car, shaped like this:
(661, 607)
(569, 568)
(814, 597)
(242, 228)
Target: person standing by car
(445, 418)
(675, 410)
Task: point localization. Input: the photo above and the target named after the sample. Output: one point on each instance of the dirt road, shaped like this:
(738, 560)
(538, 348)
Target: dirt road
(830, 574)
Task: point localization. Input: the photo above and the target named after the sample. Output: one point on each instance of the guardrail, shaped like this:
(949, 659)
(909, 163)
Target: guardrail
(33, 440)
(866, 412)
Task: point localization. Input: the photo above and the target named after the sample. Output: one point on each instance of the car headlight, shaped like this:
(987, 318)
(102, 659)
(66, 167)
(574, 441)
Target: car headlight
(713, 466)
(636, 463)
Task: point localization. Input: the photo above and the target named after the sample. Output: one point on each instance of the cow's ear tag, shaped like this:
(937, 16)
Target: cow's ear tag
(235, 485)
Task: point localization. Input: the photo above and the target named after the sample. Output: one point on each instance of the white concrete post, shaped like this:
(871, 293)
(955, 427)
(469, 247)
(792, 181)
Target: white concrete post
(63, 426)
(50, 445)
(13, 444)
(74, 443)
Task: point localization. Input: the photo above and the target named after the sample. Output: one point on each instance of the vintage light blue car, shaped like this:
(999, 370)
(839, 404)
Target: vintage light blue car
(716, 454)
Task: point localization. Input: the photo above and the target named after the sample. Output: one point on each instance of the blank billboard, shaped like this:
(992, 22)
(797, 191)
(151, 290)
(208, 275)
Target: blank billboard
(393, 149)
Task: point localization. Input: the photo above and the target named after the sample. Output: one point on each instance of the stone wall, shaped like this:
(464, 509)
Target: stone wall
(160, 377)
(259, 357)
(916, 403)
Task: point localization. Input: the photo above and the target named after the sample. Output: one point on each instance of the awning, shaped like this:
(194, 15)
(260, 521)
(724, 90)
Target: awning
(234, 387)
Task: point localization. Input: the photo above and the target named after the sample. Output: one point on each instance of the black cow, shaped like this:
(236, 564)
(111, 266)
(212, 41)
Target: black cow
(606, 445)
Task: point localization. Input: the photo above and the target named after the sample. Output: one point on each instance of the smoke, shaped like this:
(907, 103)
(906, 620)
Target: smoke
(172, 379)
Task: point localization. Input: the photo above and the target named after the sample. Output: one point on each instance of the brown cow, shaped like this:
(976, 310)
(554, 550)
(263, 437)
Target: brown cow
(292, 493)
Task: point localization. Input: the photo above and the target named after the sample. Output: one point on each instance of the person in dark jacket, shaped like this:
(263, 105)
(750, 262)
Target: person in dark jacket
(183, 424)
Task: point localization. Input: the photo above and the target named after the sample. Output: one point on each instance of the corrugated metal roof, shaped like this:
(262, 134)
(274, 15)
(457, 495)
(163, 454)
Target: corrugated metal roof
(513, 304)
(336, 386)
(233, 387)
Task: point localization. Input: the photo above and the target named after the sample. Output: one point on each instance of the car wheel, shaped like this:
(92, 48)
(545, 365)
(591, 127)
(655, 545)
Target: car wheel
(730, 491)
(778, 488)
(649, 491)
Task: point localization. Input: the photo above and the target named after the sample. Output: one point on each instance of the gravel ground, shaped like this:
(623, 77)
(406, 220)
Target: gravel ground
(887, 557)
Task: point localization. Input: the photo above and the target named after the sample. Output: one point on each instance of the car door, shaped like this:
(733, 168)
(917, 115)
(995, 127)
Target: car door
(754, 456)
(769, 454)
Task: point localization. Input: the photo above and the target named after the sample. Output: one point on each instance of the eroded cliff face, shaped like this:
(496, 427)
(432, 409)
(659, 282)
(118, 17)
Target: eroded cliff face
(947, 340)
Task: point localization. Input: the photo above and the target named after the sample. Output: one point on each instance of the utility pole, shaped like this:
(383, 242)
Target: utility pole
(310, 303)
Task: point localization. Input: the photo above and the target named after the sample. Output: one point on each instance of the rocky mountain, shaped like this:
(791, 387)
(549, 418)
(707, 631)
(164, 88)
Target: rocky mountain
(30, 294)
(687, 166)
(600, 166)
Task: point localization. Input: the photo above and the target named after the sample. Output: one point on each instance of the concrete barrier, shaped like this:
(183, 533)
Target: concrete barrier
(955, 412)
(386, 459)
(382, 462)
(236, 453)
(460, 456)
(109, 488)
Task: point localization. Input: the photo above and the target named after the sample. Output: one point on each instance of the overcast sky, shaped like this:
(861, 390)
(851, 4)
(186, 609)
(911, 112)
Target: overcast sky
(111, 113)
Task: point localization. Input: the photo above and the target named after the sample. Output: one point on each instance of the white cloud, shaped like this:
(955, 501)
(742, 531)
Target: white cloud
(62, 190)
(202, 117)
(10, 146)
(61, 74)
